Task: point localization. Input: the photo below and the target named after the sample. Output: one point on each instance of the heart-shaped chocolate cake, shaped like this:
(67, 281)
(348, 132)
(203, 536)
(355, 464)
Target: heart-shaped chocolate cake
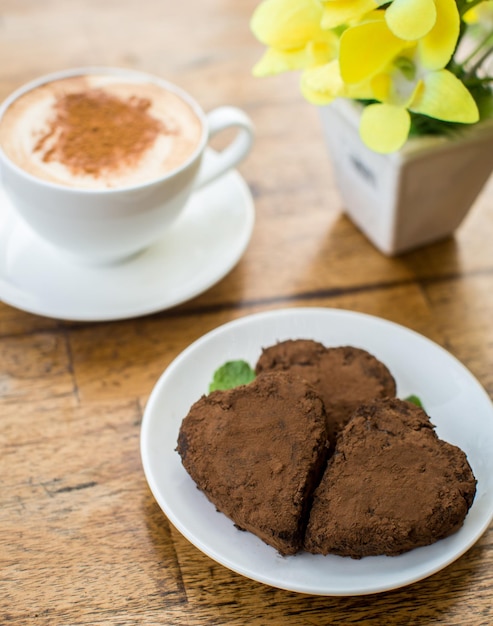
(392, 485)
(343, 376)
(257, 452)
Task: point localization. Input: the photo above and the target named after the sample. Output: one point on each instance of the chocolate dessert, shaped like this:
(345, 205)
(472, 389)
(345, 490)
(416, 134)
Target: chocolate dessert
(344, 377)
(263, 455)
(257, 452)
(392, 485)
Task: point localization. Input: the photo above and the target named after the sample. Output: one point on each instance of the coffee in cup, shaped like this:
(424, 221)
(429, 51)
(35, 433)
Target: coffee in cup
(99, 161)
(99, 131)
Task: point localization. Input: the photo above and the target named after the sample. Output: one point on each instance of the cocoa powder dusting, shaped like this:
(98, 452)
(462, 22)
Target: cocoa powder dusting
(95, 132)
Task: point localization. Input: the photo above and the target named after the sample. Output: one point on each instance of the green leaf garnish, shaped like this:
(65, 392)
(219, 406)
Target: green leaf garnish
(232, 374)
(414, 400)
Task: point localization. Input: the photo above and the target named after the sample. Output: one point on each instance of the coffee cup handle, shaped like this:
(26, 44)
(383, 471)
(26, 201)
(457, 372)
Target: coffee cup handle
(214, 166)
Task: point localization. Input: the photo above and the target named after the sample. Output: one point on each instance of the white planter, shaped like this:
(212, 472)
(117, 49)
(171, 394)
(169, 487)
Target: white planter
(410, 198)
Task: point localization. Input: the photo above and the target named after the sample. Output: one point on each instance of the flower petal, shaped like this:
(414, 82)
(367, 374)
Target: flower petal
(321, 85)
(381, 85)
(314, 54)
(384, 128)
(277, 61)
(367, 48)
(411, 19)
(437, 47)
(287, 24)
(471, 16)
(444, 97)
(321, 52)
(338, 12)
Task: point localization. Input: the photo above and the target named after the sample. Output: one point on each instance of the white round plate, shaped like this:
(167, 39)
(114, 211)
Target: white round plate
(199, 249)
(456, 402)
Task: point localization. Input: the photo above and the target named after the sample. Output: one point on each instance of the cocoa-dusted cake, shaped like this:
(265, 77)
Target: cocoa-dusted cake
(392, 485)
(257, 452)
(345, 377)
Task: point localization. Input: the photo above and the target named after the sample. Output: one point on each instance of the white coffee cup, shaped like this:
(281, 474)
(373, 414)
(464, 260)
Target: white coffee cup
(99, 226)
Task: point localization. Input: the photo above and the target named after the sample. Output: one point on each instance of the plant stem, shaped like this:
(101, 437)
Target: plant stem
(477, 49)
(479, 62)
(478, 81)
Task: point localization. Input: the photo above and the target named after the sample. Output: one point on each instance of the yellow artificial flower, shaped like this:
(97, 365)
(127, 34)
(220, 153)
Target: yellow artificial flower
(438, 46)
(370, 45)
(287, 24)
(292, 31)
(391, 52)
(367, 48)
(408, 87)
(321, 85)
(443, 96)
(384, 127)
(339, 12)
(277, 61)
(411, 19)
(481, 14)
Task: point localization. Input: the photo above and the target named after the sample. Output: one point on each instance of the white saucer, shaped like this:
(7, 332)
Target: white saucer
(457, 404)
(204, 244)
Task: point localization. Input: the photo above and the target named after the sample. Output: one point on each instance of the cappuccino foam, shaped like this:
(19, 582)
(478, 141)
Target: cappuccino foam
(100, 131)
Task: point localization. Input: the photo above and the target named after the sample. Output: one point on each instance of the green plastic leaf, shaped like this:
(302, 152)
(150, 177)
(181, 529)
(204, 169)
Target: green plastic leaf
(232, 374)
(414, 400)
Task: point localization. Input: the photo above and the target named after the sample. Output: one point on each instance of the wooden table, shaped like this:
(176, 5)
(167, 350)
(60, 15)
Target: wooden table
(82, 540)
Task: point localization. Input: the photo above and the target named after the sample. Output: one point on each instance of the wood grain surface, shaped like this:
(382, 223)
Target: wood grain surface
(82, 540)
